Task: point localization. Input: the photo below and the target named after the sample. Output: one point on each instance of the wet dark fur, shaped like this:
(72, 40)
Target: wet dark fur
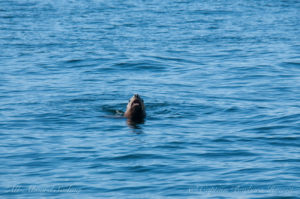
(135, 111)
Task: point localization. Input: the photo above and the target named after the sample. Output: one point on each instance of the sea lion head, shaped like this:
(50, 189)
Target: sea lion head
(135, 109)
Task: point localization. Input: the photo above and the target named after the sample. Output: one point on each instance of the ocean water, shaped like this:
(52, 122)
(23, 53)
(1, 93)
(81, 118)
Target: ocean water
(220, 80)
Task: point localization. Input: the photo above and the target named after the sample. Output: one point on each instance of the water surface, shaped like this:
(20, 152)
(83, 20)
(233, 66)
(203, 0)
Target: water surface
(220, 80)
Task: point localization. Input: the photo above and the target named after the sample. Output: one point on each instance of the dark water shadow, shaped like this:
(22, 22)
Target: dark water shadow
(135, 126)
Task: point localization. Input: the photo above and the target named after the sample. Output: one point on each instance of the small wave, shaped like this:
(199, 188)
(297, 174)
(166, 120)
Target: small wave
(138, 157)
(271, 128)
(291, 64)
(141, 65)
(228, 154)
(74, 61)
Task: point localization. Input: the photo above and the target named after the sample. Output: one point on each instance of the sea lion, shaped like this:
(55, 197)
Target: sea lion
(135, 111)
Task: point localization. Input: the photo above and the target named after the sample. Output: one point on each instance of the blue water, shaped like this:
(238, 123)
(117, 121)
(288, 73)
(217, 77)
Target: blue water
(220, 80)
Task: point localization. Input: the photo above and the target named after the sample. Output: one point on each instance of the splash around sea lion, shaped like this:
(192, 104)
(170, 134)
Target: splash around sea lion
(135, 111)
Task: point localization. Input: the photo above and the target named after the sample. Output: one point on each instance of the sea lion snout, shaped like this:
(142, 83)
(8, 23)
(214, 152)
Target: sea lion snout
(135, 109)
(136, 101)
